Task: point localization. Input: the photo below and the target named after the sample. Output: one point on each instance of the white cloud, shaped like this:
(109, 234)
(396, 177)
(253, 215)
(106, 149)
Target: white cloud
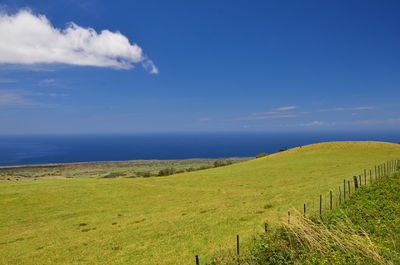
(27, 38)
(349, 109)
(285, 108)
(266, 117)
(8, 98)
(318, 123)
(47, 81)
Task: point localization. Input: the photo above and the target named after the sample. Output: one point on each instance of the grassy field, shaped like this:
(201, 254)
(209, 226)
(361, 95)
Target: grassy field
(167, 220)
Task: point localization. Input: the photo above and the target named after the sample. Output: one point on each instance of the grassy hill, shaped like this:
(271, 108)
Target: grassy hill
(167, 220)
(362, 230)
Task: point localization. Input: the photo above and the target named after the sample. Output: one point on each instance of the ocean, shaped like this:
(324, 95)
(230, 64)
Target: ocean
(43, 149)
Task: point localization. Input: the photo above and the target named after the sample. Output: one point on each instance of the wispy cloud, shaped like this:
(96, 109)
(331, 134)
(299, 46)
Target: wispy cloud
(9, 98)
(47, 81)
(266, 117)
(348, 109)
(277, 113)
(318, 123)
(285, 108)
(32, 39)
(205, 119)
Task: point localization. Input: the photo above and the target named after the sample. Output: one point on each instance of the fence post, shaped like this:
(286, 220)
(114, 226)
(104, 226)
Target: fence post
(344, 189)
(330, 198)
(197, 260)
(320, 204)
(365, 177)
(359, 180)
(266, 227)
(375, 172)
(355, 182)
(340, 196)
(237, 245)
(305, 210)
(348, 184)
(288, 217)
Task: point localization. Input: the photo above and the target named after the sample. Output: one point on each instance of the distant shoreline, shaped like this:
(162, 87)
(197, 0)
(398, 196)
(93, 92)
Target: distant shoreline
(55, 165)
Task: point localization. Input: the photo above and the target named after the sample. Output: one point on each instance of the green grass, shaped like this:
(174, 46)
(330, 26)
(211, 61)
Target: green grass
(168, 220)
(363, 230)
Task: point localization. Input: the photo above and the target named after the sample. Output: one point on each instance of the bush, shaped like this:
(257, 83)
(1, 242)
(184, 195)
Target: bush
(166, 171)
(261, 155)
(144, 174)
(221, 163)
(204, 167)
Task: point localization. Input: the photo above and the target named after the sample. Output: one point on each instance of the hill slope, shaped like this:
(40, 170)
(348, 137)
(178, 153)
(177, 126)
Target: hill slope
(168, 220)
(363, 230)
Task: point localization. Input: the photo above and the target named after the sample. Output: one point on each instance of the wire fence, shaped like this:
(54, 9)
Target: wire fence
(339, 195)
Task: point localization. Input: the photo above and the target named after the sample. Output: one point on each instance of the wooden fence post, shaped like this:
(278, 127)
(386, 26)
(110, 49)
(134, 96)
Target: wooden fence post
(305, 210)
(340, 196)
(237, 245)
(344, 189)
(348, 185)
(355, 182)
(330, 200)
(320, 204)
(197, 260)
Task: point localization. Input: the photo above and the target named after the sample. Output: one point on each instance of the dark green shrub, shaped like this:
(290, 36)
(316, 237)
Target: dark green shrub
(261, 155)
(166, 171)
(221, 163)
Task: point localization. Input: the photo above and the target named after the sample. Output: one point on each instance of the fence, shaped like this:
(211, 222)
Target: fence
(343, 193)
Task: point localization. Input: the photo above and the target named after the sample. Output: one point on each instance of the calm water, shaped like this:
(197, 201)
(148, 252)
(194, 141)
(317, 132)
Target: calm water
(16, 150)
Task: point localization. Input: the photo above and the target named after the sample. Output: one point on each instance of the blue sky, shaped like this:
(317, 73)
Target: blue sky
(203, 66)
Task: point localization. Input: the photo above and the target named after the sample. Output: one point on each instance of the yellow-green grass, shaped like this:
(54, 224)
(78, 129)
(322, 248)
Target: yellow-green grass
(168, 220)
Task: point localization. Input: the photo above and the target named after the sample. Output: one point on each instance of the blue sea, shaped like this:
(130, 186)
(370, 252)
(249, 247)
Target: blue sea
(18, 150)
